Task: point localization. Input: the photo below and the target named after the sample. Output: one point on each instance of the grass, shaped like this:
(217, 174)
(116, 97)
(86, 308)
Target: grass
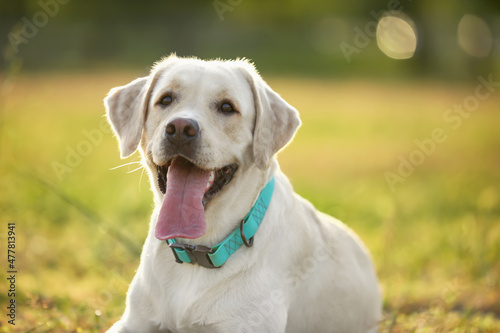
(435, 239)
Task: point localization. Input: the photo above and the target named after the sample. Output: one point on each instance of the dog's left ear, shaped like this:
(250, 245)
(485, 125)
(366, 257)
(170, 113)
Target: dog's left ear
(126, 110)
(275, 124)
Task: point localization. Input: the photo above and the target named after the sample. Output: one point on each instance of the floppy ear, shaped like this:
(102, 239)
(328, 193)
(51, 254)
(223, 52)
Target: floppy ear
(275, 125)
(126, 110)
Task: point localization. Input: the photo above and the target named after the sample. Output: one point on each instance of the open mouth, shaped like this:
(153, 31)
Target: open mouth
(187, 190)
(217, 180)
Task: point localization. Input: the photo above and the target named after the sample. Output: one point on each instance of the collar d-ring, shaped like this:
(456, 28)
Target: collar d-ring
(247, 242)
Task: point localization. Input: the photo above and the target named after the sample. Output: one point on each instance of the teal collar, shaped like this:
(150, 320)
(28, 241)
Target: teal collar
(216, 256)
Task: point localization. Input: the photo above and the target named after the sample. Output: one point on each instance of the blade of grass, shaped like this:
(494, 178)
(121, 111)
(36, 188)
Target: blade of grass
(91, 215)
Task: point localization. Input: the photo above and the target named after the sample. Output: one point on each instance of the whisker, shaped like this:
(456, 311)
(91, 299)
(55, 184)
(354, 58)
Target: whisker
(141, 167)
(120, 166)
(140, 179)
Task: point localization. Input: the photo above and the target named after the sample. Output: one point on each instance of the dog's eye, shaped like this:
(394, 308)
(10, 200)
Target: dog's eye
(166, 100)
(227, 108)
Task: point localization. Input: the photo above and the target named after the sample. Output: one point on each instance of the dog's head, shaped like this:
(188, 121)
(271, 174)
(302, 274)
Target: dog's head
(199, 126)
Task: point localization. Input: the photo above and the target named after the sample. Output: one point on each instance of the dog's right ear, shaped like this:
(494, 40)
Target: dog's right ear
(126, 108)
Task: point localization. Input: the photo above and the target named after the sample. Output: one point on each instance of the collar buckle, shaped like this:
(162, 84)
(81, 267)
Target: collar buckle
(197, 253)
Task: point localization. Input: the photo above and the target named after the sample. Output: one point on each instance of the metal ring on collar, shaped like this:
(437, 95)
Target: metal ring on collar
(247, 242)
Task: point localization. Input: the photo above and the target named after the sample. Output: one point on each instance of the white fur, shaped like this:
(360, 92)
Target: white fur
(307, 272)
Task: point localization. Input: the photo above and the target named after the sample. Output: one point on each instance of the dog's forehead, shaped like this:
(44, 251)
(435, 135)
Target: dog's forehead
(201, 77)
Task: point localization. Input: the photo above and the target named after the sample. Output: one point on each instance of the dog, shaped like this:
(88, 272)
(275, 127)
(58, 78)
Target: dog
(231, 247)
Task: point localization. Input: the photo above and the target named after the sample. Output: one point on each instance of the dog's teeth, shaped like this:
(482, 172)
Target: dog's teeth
(210, 180)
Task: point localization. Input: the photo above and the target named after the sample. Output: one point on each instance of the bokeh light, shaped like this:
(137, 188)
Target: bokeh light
(396, 36)
(474, 36)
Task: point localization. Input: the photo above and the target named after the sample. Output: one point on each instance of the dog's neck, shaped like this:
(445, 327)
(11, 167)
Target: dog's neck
(225, 212)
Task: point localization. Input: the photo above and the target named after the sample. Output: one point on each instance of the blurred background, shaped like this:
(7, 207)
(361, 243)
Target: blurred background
(400, 106)
(449, 40)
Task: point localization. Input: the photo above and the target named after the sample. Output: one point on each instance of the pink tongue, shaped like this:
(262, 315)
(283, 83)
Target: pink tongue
(182, 213)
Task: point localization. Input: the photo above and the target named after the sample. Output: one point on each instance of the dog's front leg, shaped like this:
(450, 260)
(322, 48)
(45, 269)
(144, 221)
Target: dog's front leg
(138, 311)
(251, 321)
(132, 323)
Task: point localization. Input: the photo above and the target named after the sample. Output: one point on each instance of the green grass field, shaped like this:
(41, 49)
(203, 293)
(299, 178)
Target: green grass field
(434, 237)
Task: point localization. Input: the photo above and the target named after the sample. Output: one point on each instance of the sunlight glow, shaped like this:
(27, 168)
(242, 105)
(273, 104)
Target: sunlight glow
(396, 36)
(474, 36)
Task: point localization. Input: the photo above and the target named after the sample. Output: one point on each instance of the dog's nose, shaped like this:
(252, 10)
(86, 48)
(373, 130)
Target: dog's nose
(181, 130)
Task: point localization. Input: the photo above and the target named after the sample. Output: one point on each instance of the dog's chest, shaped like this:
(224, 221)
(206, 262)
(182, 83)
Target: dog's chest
(190, 298)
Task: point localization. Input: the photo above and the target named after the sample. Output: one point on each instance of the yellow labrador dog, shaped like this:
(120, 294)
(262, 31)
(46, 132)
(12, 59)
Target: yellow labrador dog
(231, 248)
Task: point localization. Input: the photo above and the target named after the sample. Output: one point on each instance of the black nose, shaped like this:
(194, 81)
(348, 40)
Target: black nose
(182, 130)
